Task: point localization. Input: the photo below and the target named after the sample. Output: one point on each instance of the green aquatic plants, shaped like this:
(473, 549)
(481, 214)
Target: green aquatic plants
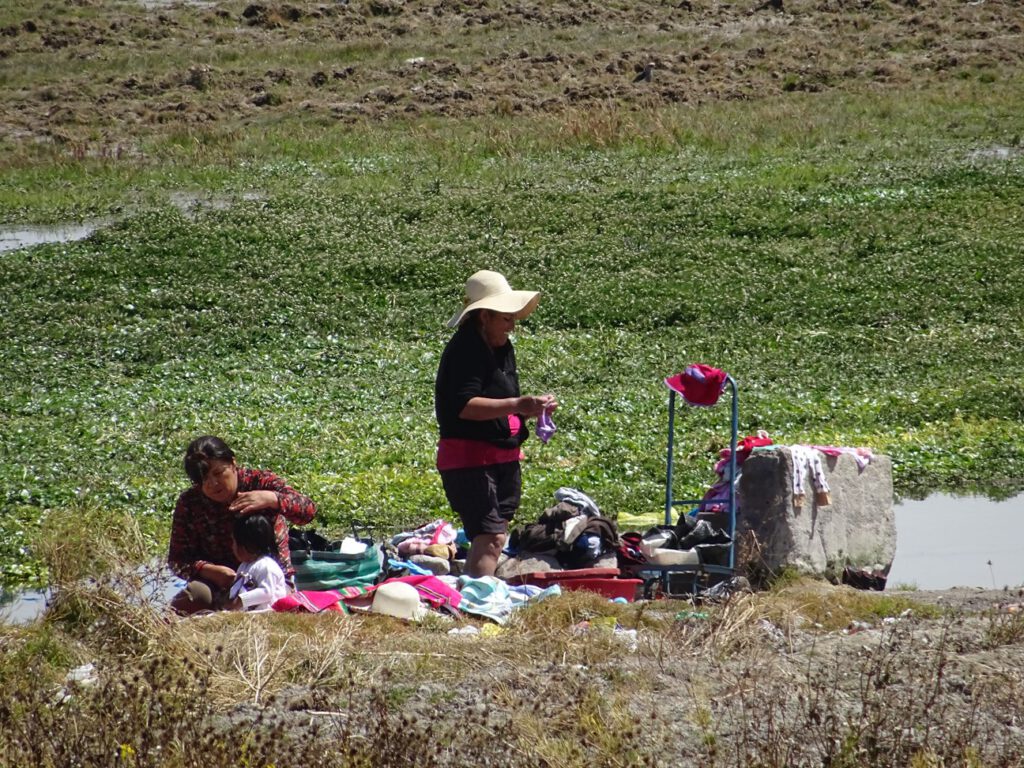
(851, 306)
(851, 256)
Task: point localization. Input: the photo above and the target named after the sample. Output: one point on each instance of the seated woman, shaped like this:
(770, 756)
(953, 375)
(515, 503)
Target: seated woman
(201, 548)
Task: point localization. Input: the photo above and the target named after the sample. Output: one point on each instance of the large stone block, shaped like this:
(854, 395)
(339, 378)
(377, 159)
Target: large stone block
(857, 529)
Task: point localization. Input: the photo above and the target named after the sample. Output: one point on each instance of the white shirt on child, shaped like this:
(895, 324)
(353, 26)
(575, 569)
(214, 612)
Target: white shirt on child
(259, 584)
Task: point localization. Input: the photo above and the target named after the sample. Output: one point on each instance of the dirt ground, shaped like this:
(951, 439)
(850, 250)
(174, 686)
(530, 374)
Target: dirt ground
(121, 71)
(941, 683)
(969, 600)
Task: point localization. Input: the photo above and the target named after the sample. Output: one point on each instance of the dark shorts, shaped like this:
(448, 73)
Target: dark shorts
(484, 498)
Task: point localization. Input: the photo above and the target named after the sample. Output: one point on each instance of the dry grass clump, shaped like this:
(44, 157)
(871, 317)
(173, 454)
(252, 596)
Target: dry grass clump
(98, 594)
(809, 604)
(565, 610)
(1004, 629)
(84, 541)
(742, 625)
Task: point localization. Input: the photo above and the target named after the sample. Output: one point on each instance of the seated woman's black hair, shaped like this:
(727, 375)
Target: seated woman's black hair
(255, 533)
(199, 453)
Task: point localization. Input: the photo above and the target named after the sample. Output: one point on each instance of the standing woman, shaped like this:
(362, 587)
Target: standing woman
(482, 417)
(201, 549)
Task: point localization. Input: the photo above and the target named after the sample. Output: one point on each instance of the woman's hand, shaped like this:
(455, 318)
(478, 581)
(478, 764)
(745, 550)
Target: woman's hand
(248, 502)
(532, 407)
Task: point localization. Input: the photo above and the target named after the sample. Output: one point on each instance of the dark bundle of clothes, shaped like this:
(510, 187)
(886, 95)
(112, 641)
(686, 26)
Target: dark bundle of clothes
(689, 533)
(571, 535)
(574, 538)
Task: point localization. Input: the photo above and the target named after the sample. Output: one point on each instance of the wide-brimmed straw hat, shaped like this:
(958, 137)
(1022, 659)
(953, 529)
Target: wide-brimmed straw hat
(490, 290)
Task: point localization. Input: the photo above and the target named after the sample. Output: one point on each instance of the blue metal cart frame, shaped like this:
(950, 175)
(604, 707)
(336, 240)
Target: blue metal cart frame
(671, 502)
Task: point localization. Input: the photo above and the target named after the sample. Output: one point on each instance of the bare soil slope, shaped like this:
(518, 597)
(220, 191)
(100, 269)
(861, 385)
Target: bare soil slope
(112, 72)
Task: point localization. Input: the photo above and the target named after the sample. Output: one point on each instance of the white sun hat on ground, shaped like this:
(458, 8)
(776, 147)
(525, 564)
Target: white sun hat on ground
(398, 599)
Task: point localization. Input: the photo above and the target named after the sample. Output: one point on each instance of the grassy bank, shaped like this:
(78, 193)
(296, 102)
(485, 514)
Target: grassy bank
(823, 201)
(849, 253)
(834, 676)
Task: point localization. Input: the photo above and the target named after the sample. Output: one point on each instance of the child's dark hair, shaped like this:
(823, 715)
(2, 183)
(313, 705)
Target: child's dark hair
(199, 453)
(255, 533)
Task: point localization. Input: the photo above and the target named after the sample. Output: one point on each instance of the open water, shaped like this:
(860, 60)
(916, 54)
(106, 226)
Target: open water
(27, 606)
(189, 203)
(948, 541)
(23, 237)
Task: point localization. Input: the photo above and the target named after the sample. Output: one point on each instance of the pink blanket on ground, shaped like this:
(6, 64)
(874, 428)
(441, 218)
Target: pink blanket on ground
(314, 601)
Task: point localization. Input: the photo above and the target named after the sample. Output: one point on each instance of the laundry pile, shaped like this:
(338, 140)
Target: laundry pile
(571, 545)
(571, 535)
(413, 597)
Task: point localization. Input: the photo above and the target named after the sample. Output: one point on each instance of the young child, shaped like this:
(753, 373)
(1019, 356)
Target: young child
(259, 580)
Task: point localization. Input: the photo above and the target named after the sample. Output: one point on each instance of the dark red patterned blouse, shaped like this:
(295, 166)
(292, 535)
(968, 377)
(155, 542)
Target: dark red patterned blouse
(201, 528)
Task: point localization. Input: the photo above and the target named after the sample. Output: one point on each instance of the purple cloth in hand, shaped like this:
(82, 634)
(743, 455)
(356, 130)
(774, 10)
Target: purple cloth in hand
(545, 427)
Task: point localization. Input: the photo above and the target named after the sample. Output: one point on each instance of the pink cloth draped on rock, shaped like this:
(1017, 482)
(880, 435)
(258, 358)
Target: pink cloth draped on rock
(862, 456)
